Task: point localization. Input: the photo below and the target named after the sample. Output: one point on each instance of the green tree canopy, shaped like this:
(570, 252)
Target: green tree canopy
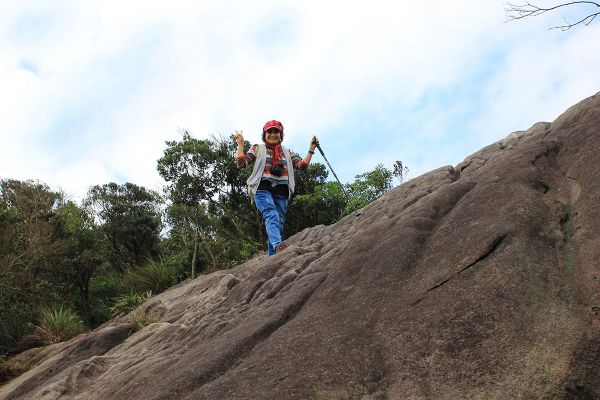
(369, 186)
(27, 231)
(209, 209)
(130, 218)
(83, 246)
(31, 253)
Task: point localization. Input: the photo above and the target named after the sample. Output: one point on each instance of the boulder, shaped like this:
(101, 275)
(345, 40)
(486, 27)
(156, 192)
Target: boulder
(475, 281)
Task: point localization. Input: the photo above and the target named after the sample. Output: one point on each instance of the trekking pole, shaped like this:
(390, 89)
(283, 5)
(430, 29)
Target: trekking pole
(342, 186)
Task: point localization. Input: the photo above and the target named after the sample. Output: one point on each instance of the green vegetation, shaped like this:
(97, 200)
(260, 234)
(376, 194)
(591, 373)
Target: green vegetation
(140, 319)
(58, 325)
(68, 267)
(128, 302)
(154, 277)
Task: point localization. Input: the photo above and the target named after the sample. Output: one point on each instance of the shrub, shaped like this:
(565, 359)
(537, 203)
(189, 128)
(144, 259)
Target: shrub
(94, 312)
(58, 325)
(15, 316)
(10, 368)
(140, 319)
(128, 302)
(7, 371)
(105, 286)
(104, 289)
(154, 276)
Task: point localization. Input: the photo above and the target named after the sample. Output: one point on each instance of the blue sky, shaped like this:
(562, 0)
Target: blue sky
(92, 90)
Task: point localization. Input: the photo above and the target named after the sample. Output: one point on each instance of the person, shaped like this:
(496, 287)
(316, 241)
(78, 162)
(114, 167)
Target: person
(272, 180)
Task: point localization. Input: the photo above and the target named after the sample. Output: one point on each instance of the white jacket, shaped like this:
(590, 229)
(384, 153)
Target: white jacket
(259, 168)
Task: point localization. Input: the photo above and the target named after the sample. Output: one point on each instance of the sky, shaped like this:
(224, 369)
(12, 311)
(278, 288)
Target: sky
(90, 91)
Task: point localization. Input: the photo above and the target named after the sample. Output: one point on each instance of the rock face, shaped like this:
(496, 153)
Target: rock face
(480, 281)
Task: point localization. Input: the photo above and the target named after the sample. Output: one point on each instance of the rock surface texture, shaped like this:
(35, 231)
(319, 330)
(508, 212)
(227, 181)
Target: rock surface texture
(480, 281)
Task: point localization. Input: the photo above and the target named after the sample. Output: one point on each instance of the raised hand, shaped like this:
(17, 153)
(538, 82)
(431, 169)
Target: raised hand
(239, 137)
(313, 143)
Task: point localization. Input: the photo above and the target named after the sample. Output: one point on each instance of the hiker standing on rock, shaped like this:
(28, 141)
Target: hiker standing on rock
(272, 179)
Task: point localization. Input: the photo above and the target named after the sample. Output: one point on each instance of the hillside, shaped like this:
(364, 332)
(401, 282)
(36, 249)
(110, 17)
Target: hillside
(477, 281)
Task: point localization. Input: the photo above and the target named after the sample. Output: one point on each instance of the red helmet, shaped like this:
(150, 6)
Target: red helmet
(273, 124)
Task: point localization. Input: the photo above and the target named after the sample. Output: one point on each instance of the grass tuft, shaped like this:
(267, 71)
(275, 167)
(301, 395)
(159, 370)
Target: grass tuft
(58, 325)
(154, 276)
(140, 319)
(128, 302)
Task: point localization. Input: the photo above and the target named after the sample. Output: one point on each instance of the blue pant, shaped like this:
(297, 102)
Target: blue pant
(273, 209)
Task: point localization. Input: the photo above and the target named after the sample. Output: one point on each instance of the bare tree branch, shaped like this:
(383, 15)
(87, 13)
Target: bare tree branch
(516, 11)
(568, 25)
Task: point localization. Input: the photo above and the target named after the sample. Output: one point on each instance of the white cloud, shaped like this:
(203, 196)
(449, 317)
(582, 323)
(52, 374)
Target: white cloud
(538, 80)
(93, 89)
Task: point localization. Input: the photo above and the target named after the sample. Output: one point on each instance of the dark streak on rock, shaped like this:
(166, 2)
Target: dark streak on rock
(542, 186)
(418, 301)
(489, 251)
(550, 154)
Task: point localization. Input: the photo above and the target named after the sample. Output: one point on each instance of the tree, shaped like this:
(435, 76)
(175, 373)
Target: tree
(32, 272)
(26, 228)
(82, 242)
(313, 203)
(323, 206)
(209, 206)
(192, 226)
(514, 11)
(400, 171)
(212, 222)
(309, 179)
(327, 203)
(369, 186)
(130, 218)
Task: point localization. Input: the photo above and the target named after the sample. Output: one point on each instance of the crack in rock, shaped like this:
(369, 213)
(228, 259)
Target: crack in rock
(490, 249)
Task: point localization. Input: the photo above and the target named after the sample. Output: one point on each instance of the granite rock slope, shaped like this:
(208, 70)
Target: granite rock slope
(478, 281)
